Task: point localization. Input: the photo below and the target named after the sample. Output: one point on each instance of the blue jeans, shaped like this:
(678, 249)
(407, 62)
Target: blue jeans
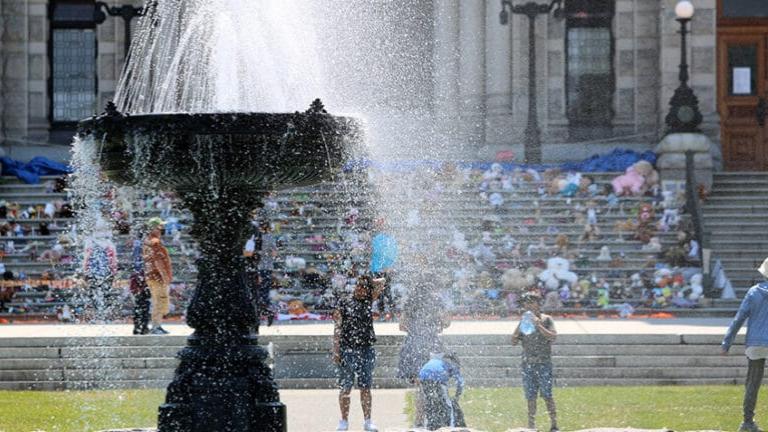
(356, 362)
(537, 379)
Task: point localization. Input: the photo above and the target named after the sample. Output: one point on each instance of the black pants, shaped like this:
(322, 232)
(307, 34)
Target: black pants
(438, 409)
(141, 311)
(755, 372)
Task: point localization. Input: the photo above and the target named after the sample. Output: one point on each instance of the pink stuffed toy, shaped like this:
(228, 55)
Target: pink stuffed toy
(631, 182)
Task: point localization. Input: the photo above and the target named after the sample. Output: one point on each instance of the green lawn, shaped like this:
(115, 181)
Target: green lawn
(678, 408)
(674, 407)
(78, 411)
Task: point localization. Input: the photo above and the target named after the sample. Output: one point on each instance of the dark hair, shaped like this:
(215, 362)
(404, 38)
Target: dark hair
(530, 297)
(453, 358)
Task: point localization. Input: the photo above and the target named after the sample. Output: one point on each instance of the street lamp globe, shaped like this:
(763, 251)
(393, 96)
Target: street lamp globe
(684, 10)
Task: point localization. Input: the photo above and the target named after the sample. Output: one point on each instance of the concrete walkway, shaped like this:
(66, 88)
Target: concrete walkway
(688, 326)
(318, 410)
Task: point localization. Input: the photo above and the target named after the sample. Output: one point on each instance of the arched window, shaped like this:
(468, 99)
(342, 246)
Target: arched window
(590, 82)
(72, 55)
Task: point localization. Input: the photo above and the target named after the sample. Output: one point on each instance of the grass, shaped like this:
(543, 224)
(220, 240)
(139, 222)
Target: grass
(70, 411)
(681, 408)
(674, 407)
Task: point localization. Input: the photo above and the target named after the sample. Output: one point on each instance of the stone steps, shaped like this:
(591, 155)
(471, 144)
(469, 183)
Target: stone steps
(303, 361)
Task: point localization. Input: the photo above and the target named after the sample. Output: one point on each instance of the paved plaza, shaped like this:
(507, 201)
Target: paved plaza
(688, 326)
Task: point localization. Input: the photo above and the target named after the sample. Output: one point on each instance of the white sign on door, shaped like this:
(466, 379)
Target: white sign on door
(742, 80)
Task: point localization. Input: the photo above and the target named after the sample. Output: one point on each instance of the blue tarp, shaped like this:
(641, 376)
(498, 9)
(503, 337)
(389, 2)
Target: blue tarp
(31, 171)
(617, 160)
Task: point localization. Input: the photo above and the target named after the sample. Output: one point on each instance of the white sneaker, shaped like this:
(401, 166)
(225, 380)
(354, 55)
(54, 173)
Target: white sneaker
(343, 425)
(368, 426)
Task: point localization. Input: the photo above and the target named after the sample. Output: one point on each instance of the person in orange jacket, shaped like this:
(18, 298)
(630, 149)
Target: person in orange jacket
(158, 273)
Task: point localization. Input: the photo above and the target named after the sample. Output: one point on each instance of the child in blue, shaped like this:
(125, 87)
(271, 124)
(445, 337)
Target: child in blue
(440, 409)
(536, 333)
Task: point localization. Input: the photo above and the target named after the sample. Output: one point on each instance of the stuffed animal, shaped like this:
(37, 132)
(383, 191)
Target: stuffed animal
(629, 183)
(605, 254)
(557, 273)
(653, 245)
(561, 244)
(591, 233)
(697, 287)
(517, 281)
(650, 175)
(636, 180)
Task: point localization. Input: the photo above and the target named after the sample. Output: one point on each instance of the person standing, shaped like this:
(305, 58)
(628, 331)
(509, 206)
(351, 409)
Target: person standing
(158, 273)
(353, 351)
(139, 289)
(536, 332)
(100, 268)
(266, 252)
(754, 310)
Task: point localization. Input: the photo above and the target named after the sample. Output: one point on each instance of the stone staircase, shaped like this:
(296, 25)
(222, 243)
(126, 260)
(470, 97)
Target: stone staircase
(304, 362)
(735, 214)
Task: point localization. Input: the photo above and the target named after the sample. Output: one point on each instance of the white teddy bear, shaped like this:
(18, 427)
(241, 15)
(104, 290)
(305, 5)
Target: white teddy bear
(557, 272)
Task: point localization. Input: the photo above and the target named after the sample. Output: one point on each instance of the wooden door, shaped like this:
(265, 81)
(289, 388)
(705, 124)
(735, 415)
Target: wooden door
(742, 99)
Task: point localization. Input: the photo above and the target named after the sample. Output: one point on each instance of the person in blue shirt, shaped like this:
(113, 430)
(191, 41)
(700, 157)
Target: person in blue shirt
(753, 310)
(440, 410)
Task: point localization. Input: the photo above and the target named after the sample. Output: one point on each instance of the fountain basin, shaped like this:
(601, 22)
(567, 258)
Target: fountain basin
(256, 151)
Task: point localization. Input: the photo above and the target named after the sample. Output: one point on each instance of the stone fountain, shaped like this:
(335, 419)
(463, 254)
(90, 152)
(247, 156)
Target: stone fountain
(221, 165)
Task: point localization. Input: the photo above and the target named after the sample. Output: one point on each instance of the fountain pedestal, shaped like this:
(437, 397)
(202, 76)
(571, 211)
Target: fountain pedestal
(220, 165)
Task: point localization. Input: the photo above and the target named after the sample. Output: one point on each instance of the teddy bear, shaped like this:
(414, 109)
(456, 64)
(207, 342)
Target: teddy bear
(697, 287)
(636, 180)
(516, 280)
(557, 273)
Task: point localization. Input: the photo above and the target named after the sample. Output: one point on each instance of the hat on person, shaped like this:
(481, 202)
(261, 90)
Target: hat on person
(763, 269)
(155, 222)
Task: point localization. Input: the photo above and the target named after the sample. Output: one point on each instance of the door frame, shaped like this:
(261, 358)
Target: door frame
(729, 29)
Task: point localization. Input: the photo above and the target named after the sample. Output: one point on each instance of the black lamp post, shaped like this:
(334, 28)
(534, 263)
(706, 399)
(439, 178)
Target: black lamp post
(531, 10)
(684, 115)
(126, 12)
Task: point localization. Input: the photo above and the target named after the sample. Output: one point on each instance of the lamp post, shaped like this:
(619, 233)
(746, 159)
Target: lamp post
(531, 10)
(126, 12)
(684, 115)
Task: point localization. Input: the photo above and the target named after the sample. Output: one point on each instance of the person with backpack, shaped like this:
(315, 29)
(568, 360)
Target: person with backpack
(440, 409)
(754, 311)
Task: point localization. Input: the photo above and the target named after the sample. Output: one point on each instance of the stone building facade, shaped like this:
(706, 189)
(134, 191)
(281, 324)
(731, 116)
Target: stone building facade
(630, 48)
(27, 32)
(606, 70)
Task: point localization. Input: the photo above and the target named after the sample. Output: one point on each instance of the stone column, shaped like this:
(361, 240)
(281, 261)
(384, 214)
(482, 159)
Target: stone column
(446, 66)
(498, 77)
(14, 64)
(472, 70)
(2, 76)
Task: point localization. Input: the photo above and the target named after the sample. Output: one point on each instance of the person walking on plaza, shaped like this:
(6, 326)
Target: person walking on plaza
(353, 352)
(536, 332)
(139, 289)
(157, 272)
(754, 309)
